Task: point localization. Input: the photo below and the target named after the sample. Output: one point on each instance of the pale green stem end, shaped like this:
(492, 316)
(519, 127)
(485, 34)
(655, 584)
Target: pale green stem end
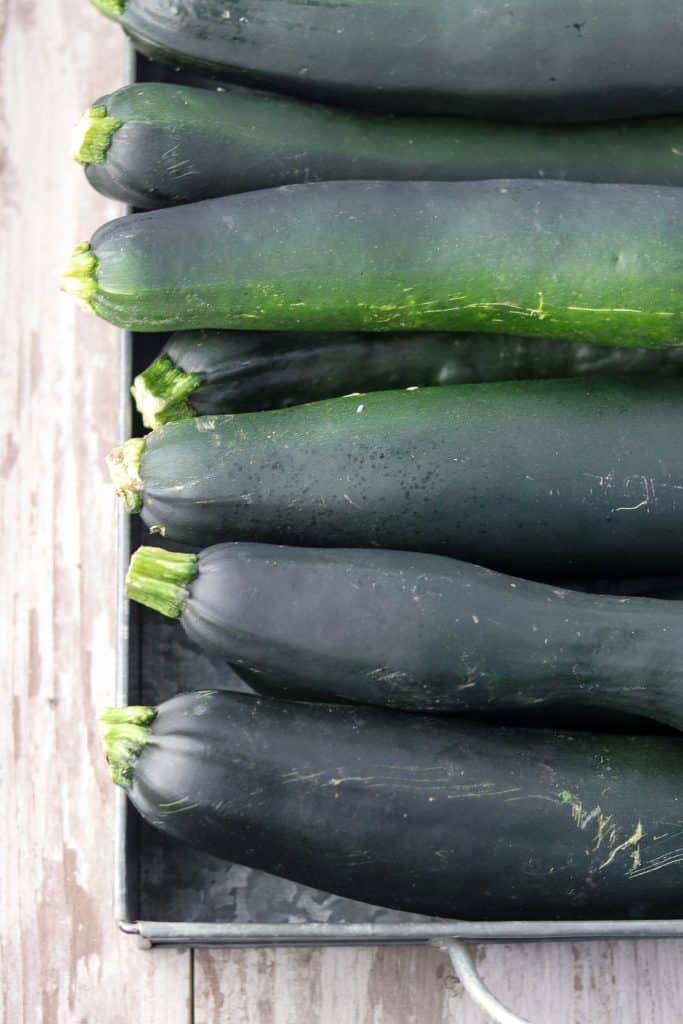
(110, 8)
(161, 393)
(93, 135)
(134, 714)
(79, 277)
(159, 579)
(124, 469)
(125, 732)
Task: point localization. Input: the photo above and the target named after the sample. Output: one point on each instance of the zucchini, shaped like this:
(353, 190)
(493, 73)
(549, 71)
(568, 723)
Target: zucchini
(203, 372)
(415, 631)
(447, 818)
(597, 263)
(572, 60)
(153, 144)
(565, 477)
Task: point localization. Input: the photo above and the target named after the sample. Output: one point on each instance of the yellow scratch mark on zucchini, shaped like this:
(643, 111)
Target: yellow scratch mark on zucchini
(491, 792)
(582, 819)
(297, 777)
(385, 674)
(632, 840)
(605, 829)
(443, 309)
(538, 311)
(350, 778)
(176, 803)
(174, 169)
(531, 796)
(442, 785)
(632, 508)
(187, 174)
(603, 822)
(181, 806)
(616, 309)
(666, 860)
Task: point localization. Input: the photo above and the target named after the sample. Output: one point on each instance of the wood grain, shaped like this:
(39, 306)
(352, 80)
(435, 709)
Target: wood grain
(61, 956)
(553, 983)
(62, 960)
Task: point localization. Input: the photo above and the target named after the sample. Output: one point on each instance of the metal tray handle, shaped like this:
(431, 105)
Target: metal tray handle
(464, 967)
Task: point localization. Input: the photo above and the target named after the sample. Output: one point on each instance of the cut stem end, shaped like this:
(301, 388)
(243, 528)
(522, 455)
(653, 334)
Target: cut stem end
(124, 469)
(159, 579)
(161, 393)
(93, 135)
(110, 8)
(79, 277)
(125, 732)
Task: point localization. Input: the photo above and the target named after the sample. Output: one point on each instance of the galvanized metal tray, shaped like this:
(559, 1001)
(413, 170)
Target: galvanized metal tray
(169, 894)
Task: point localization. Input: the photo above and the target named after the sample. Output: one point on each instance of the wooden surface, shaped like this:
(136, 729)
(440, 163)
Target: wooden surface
(62, 961)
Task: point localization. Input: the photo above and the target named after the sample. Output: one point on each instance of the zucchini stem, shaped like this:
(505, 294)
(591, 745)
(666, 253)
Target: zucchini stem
(124, 469)
(93, 135)
(110, 8)
(159, 579)
(79, 277)
(125, 732)
(161, 393)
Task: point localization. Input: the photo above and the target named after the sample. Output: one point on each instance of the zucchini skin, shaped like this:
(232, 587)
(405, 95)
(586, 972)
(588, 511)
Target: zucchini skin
(418, 813)
(564, 477)
(572, 60)
(245, 371)
(541, 258)
(178, 144)
(427, 633)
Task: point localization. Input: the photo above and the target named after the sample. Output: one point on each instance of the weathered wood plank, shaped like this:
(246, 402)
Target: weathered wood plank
(553, 983)
(62, 960)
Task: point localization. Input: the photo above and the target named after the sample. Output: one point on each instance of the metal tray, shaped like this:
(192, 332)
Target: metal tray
(169, 894)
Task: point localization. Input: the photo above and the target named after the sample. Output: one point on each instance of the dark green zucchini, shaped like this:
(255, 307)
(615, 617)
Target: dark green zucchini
(418, 632)
(419, 813)
(597, 263)
(565, 477)
(572, 60)
(152, 144)
(204, 372)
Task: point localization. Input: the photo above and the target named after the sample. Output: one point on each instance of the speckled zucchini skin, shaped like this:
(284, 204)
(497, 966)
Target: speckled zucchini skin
(427, 633)
(595, 263)
(244, 371)
(565, 477)
(418, 813)
(178, 144)
(530, 60)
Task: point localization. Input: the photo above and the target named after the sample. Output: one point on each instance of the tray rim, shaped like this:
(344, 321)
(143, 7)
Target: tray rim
(214, 935)
(211, 935)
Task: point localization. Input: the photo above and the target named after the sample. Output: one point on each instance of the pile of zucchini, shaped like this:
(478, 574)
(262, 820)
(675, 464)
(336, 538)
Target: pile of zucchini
(425, 383)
